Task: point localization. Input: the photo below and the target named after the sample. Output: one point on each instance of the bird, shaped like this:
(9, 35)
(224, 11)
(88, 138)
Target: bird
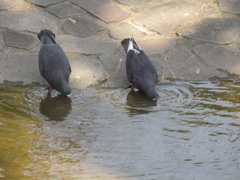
(53, 63)
(140, 71)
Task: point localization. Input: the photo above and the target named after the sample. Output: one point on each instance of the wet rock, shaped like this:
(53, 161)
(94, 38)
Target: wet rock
(45, 3)
(184, 66)
(164, 18)
(7, 4)
(131, 2)
(219, 30)
(220, 57)
(19, 40)
(157, 44)
(107, 10)
(20, 21)
(65, 10)
(230, 6)
(86, 71)
(86, 46)
(20, 67)
(82, 26)
(125, 30)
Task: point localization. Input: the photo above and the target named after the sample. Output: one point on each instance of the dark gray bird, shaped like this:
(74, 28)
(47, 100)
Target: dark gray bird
(53, 63)
(140, 71)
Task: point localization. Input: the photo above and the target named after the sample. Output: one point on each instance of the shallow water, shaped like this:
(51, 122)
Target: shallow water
(191, 132)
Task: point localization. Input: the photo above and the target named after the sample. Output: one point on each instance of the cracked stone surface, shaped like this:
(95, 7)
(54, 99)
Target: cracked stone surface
(19, 40)
(107, 10)
(84, 46)
(173, 14)
(215, 29)
(82, 26)
(45, 3)
(65, 9)
(190, 39)
(6, 4)
(220, 57)
(126, 30)
(184, 66)
(21, 22)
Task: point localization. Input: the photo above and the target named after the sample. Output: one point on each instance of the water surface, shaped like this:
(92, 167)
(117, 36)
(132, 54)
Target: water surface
(191, 132)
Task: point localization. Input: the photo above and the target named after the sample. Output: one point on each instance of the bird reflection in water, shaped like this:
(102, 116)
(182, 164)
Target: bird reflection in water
(139, 103)
(56, 108)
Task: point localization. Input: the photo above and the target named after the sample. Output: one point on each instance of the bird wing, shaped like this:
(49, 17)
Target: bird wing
(138, 65)
(52, 57)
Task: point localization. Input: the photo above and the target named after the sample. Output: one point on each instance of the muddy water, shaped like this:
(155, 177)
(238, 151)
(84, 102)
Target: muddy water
(192, 132)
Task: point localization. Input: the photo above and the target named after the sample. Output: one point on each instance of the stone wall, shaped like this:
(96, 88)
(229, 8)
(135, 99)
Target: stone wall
(188, 40)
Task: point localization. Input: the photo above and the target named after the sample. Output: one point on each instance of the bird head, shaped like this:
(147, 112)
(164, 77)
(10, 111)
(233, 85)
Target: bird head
(46, 37)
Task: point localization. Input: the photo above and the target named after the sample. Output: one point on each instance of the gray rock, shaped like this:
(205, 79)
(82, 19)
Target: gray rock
(119, 78)
(21, 21)
(157, 44)
(107, 10)
(65, 9)
(126, 30)
(220, 57)
(19, 40)
(230, 6)
(165, 17)
(184, 66)
(2, 45)
(20, 67)
(131, 2)
(7, 4)
(140, 7)
(45, 3)
(82, 26)
(86, 71)
(86, 46)
(219, 30)
(110, 62)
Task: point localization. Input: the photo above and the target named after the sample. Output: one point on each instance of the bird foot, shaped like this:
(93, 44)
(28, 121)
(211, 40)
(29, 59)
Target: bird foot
(49, 88)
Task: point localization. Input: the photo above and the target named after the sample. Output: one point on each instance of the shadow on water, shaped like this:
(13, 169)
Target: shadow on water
(137, 102)
(56, 108)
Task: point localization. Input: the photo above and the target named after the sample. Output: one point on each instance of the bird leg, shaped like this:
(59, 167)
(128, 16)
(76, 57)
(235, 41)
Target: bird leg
(132, 87)
(49, 88)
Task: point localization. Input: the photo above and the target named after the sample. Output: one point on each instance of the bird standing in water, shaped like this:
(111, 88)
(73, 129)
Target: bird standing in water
(53, 63)
(140, 71)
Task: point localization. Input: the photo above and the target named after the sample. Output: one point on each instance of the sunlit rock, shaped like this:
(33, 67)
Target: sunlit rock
(222, 29)
(107, 10)
(165, 17)
(45, 3)
(8, 4)
(126, 30)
